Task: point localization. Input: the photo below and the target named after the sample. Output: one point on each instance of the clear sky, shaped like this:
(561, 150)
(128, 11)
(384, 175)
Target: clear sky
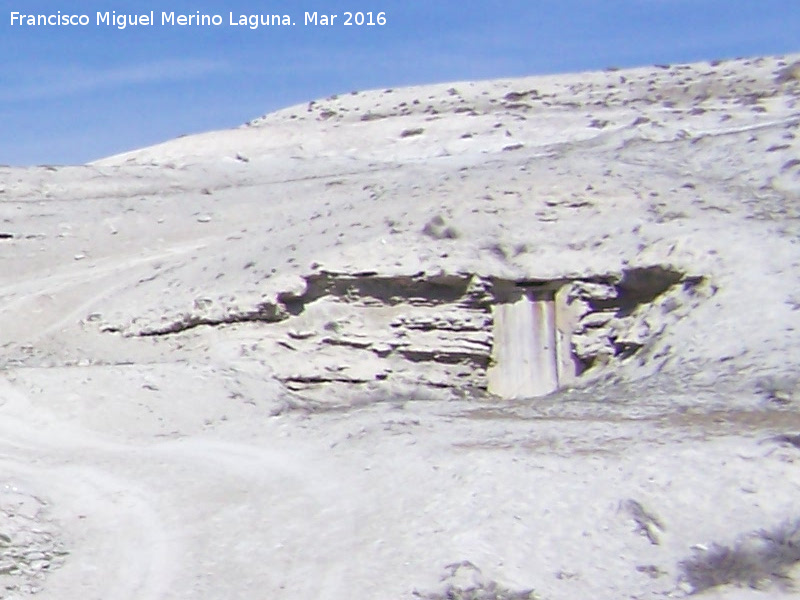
(70, 94)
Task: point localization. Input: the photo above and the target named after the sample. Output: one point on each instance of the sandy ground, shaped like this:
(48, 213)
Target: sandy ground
(150, 450)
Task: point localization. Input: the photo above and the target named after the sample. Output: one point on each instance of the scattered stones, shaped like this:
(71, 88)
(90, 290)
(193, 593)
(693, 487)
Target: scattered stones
(29, 546)
(466, 582)
(788, 74)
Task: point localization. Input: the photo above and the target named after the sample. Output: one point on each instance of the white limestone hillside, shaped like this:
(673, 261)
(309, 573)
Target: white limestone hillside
(472, 338)
(544, 179)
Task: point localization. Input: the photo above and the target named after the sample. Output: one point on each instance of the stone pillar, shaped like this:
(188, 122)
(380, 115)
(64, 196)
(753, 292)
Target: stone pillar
(524, 354)
(567, 318)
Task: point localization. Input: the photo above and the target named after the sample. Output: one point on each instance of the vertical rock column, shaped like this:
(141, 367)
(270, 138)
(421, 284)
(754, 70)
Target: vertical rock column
(568, 315)
(524, 355)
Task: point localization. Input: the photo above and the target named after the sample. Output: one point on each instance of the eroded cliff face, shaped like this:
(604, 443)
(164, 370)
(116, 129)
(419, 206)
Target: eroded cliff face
(457, 332)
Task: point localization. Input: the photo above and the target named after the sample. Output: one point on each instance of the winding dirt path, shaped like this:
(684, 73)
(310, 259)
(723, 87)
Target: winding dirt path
(181, 518)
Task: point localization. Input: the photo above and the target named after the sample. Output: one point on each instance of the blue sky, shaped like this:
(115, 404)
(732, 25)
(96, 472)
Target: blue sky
(72, 94)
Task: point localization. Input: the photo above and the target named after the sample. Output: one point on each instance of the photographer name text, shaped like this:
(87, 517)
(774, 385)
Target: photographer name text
(198, 19)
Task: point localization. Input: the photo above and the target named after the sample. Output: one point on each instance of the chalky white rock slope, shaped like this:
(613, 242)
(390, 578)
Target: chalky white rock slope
(253, 362)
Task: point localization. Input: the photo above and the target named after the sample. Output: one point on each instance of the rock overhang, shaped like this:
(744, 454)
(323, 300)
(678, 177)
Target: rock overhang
(512, 338)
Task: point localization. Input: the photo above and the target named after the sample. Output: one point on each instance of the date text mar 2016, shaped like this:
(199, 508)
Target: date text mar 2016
(347, 18)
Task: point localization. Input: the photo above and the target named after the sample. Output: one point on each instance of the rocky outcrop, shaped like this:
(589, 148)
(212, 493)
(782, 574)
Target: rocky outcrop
(512, 338)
